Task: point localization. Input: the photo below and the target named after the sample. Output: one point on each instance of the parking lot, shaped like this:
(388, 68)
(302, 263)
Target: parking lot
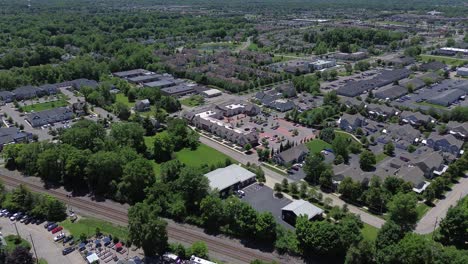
(262, 199)
(279, 131)
(46, 248)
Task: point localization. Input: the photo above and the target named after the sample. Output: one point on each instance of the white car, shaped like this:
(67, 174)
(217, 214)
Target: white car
(59, 237)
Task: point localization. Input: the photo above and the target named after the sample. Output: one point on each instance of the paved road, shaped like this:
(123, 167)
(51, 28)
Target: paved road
(46, 248)
(221, 248)
(431, 220)
(274, 177)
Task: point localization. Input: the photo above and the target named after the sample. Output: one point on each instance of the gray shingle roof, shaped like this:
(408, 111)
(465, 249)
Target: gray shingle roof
(301, 207)
(223, 178)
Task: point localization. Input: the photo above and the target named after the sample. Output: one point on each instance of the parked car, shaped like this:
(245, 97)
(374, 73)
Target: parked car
(16, 216)
(68, 250)
(59, 237)
(57, 229)
(48, 223)
(22, 219)
(3, 212)
(68, 238)
(240, 193)
(52, 227)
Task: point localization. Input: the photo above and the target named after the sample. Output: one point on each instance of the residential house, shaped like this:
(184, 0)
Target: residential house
(430, 163)
(7, 96)
(402, 136)
(79, 108)
(26, 92)
(432, 66)
(459, 130)
(11, 135)
(415, 118)
(383, 111)
(80, 83)
(48, 89)
(293, 155)
(445, 143)
(142, 105)
(350, 123)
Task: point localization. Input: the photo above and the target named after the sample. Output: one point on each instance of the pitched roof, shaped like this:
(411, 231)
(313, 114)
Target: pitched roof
(223, 178)
(301, 207)
(293, 153)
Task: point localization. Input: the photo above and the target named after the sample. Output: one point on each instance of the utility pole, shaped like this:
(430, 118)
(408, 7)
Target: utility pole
(435, 225)
(34, 248)
(17, 232)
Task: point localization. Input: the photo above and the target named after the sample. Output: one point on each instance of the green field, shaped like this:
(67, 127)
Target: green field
(195, 158)
(432, 105)
(11, 243)
(447, 60)
(422, 209)
(379, 157)
(88, 226)
(193, 101)
(369, 232)
(339, 133)
(120, 97)
(44, 106)
(317, 145)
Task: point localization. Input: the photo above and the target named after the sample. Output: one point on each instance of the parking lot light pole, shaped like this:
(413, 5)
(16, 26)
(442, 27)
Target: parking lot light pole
(34, 248)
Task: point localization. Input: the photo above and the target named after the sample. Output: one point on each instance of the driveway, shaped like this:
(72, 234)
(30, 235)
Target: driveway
(46, 248)
(431, 219)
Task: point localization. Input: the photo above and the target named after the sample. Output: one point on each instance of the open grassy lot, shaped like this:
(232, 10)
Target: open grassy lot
(346, 135)
(422, 209)
(379, 157)
(444, 59)
(192, 101)
(369, 232)
(432, 105)
(88, 226)
(44, 106)
(11, 241)
(120, 97)
(195, 158)
(317, 145)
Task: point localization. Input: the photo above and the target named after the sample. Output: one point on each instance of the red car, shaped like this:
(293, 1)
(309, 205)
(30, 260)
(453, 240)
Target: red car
(57, 229)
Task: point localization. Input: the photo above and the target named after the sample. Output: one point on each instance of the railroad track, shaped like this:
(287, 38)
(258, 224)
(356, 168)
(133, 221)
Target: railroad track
(175, 231)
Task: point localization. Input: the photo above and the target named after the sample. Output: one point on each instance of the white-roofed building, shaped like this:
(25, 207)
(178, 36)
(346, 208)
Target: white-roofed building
(93, 258)
(197, 260)
(230, 178)
(212, 93)
(297, 208)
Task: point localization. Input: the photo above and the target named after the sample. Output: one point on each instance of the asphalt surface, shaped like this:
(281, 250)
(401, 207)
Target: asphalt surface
(45, 246)
(221, 248)
(274, 177)
(432, 218)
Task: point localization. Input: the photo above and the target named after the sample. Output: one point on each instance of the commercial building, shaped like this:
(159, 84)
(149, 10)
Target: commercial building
(11, 135)
(322, 64)
(49, 116)
(356, 56)
(293, 155)
(131, 73)
(298, 208)
(230, 178)
(178, 90)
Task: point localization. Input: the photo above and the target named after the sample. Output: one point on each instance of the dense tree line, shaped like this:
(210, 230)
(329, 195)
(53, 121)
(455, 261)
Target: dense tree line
(350, 39)
(43, 206)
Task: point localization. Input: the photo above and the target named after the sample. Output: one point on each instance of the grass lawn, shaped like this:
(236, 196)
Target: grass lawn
(44, 106)
(11, 243)
(447, 60)
(42, 261)
(120, 97)
(339, 133)
(422, 209)
(88, 226)
(317, 145)
(432, 105)
(369, 232)
(195, 158)
(379, 157)
(192, 101)
(275, 169)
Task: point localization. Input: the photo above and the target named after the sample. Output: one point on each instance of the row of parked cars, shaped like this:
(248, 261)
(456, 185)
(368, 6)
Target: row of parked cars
(66, 240)
(50, 226)
(21, 217)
